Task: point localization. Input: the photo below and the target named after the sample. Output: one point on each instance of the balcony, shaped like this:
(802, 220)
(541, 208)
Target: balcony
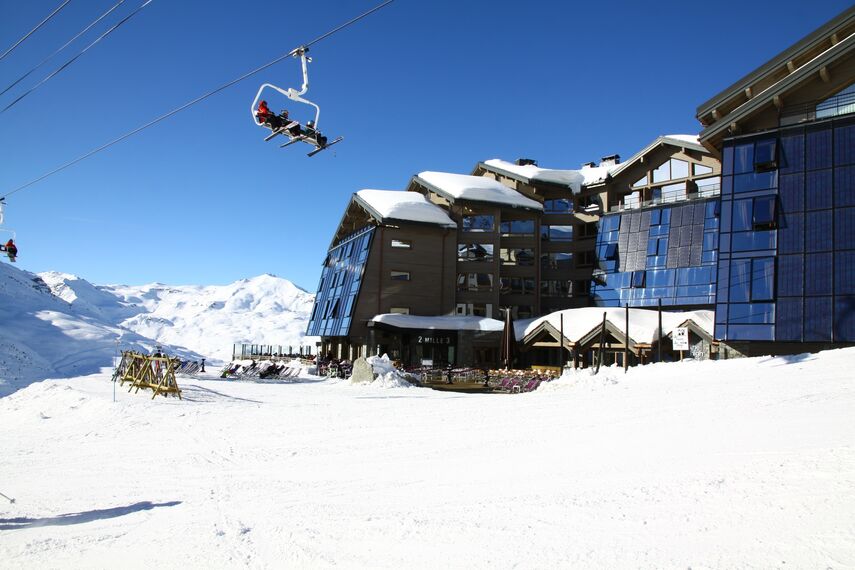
(842, 104)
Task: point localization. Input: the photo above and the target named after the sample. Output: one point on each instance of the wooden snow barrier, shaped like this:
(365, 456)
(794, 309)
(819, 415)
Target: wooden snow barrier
(149, 371)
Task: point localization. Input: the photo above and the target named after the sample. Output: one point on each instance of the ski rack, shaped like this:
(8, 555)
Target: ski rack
(152, 371)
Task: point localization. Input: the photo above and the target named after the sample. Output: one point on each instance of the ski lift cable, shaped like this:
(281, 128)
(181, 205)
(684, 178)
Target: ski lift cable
(65, 45)
(194, 101)
(73, 59)
(31, 32)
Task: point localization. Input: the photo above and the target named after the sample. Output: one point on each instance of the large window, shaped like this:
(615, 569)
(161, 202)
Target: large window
(763, 279)
(474, 282)
(556, 233)
(514, 228)
(517, 256)
(556, 260)
(478, 223)
(673, 169)
(556, 288)
(475, 252)
(558, 206)
(517, 285)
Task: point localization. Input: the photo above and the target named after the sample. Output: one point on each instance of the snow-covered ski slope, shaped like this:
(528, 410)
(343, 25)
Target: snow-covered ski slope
(735, 464)
(55, 325)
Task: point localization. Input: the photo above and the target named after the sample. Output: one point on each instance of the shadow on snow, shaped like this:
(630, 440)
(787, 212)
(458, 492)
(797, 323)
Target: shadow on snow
(81, 518)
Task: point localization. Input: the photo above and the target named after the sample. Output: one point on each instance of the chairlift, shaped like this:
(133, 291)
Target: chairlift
(282, 124)
(12, 252)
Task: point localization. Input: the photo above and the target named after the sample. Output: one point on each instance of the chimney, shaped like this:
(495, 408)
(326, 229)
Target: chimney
(589, 164)
(526, 162)
(611, 160)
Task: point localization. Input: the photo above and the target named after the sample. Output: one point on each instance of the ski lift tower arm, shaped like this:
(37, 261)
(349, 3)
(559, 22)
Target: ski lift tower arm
(292, 93)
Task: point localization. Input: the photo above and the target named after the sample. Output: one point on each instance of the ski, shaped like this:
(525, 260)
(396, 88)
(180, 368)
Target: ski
(319, 149)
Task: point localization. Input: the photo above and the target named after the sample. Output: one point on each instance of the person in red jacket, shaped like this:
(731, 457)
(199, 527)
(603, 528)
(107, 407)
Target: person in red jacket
(275, 122)
(11, 249)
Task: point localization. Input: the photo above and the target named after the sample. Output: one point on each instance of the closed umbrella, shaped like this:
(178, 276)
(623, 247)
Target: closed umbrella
(509, 340)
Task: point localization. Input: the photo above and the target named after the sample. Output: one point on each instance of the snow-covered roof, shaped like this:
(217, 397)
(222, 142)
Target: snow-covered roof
(643, 323)
(403, 206)
(475, 189)
(575, 180)
(453, 322)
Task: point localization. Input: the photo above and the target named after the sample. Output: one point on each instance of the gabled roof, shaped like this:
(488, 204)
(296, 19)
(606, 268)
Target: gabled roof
(679, 141)
(400, 206)
(785, 62)
(463, 187)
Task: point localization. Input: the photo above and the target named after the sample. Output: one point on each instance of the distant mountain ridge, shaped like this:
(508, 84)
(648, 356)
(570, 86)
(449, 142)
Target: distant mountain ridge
(55, 324)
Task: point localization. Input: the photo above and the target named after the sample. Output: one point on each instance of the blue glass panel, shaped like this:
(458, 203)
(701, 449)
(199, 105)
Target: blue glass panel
(818, 274)
(818, 321)
(727, 159)
(711, 224)
(740, 280)
(765, 211)
(844, 228)
(743, 158)
(790, 275)
(844, 186)
(711, 209)
(726, 185)
(710, 241)
(726, 215)
(818, 151)
(652, 246)
(753, 241)
(742, 215)
(818, 189)
(788, 319)
(724, 243)
(661, 278)
(844, 273)
(755, 181)
(792, 193)
(709, 257)
(720, 331)
(751, 313)
(750, 332)
(765, 153)
(844, 145)
(792, 152)
(844, 319)
(763, 279)
(665, 218)
(818, 231)
(655, 217)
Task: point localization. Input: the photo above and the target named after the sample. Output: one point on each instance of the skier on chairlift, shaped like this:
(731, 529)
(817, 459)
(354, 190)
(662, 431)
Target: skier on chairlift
(11, 249)
(276, 122)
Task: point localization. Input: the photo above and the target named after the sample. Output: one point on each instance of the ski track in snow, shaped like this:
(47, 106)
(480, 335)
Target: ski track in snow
(738, 464)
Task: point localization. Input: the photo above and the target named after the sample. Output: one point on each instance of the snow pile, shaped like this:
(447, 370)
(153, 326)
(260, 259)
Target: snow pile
(447, 322)
(385, 373)
(573, 179)
(475, 189)
(407, 206)
(746, 463)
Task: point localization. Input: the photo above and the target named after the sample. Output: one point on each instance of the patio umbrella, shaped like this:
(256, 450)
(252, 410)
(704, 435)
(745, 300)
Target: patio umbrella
(509, 340)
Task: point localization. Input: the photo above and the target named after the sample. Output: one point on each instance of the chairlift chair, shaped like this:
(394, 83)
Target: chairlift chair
(309, 133)
(4, 231)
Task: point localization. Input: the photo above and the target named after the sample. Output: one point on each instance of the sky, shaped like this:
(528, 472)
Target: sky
(201, 199)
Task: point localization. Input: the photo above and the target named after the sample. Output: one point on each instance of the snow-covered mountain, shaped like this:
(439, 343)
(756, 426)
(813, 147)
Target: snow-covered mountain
(60, 325)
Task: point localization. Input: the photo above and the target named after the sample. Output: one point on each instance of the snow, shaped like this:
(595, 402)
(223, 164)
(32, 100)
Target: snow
(684, 138)
(409, 206)
(55, 325)
(643, 323)
(573, 179)
(450, 322)
(476, 189)
(746, 463)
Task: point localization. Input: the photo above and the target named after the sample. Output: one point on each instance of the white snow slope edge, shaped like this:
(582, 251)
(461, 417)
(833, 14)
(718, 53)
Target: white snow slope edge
(57, 325)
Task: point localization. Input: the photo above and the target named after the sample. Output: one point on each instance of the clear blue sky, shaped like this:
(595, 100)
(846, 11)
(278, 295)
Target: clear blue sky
(201, 199)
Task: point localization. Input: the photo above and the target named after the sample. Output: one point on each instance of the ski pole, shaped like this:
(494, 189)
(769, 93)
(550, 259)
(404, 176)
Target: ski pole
(10, 499)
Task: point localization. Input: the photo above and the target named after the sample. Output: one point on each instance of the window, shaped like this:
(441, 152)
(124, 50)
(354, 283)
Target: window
(516, 256)
(400, 310)
(517, 285)
(671, 170)
(558, 206)
(611, 251)
(556, 260)
(556, 233)
(700, 169)
(640, 182)
(399, 275)
(766, 155)
(475, 252)
(709, 186)
(478, 223)
(763, 279)
(511, 228)
(655, 217)
(556, 288)
(476, 309)
(588, 230)
(765, 210)
(475, 282)
(521, 312)
(402, 244)
(657, 246)
(637, 279)
(585, 259)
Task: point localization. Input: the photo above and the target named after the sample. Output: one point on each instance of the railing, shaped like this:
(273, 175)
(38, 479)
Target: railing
(843, 104)
(671, 198)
